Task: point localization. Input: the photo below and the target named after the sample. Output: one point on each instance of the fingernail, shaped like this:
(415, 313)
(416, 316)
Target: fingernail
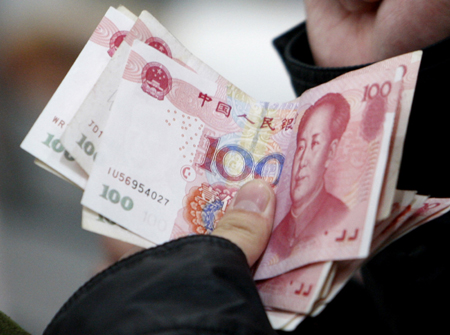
(252, 197)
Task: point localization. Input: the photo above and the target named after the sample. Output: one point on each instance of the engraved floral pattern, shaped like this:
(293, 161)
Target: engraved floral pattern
(204, 206)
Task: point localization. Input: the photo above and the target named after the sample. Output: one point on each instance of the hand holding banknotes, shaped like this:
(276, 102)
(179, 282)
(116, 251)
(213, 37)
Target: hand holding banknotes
(248, 221)
(204, 281)
(225, 158)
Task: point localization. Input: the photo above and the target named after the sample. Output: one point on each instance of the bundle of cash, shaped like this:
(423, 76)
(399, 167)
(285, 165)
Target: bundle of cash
(160, 143)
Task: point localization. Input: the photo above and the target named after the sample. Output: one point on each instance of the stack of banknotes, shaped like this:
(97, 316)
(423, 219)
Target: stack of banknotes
(160, 143)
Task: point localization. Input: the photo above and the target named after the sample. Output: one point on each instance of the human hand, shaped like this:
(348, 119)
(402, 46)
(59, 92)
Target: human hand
(247, 223)
(249, 219)
(352, 32)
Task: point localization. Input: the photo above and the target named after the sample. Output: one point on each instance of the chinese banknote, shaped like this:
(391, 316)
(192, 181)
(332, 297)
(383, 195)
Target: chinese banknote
(160, 143)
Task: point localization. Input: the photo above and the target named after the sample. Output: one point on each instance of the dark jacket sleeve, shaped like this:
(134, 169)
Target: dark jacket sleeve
(193, 285)
(409, 279)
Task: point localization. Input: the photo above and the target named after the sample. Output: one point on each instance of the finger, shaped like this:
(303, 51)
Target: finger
(131, 252)
(115, 249)
(249, 220)
(359, 5)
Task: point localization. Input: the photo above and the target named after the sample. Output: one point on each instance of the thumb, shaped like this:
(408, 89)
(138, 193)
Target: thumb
(249, 219)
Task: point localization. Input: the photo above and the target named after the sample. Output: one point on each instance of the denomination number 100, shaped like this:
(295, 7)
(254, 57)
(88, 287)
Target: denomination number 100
(371, 91)
(115, 198)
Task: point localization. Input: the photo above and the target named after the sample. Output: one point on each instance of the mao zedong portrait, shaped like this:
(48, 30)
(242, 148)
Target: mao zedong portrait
(313, 208)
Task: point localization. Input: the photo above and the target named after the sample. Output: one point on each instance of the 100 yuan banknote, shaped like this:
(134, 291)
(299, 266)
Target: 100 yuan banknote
(154, 188)
(332, 184)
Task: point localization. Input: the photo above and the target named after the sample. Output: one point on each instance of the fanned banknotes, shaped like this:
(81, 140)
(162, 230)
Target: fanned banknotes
(43, 140)
(161, 143)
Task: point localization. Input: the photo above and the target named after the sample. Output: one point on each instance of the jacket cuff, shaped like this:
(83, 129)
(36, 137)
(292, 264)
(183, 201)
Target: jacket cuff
(294, 49)
(196, 284)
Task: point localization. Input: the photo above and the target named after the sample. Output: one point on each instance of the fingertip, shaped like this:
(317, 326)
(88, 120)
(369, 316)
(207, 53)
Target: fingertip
(248, 221)
(255, 196)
